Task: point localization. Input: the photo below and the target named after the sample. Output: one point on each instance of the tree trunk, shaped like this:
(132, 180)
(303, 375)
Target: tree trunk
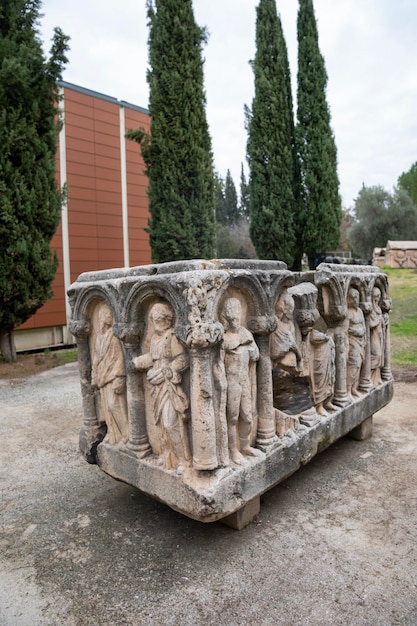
(312, 261)
(297, 263)
(7, 345)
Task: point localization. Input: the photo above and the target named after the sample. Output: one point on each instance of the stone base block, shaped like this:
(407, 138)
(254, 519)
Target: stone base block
(233, 492)
(363, 431)
(244, 516)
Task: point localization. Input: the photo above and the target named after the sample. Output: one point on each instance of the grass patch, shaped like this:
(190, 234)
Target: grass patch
(403, 317)
(404, 351)
(30, 363)
(405, 358)
(405, 328)
(403, 291)
(67, 356)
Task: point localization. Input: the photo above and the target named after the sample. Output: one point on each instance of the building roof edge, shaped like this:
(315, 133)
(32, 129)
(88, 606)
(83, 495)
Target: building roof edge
(102, 96)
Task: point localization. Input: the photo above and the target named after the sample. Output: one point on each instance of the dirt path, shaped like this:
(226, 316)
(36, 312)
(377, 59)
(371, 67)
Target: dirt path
(35, 363)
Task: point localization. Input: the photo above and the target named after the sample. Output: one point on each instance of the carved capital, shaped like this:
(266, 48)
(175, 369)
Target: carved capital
(335, 314)
(128, 333)
(386, 305)
(262, 324)
(366, 307)
(81, 329)
(204, 335)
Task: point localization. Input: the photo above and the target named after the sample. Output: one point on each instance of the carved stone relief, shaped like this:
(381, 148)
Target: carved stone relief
(203, 379)
(240, 354)
(377, 341)
(288, 366)
(167, 403)
(108, 377)
(357, 340)
(317, 347)
(285, 352)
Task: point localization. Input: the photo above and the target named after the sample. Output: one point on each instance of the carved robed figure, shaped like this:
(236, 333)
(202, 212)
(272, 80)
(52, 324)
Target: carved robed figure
(108, 375)
(240, 356)
(164, 365)
(357, 340)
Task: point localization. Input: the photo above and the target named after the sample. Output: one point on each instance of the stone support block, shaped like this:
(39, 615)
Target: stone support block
(244, 516)
(363, 431)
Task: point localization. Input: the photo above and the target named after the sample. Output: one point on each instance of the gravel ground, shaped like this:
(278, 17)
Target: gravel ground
(335, 544)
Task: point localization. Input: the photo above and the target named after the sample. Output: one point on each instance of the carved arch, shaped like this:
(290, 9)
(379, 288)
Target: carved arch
(142, 296)
(281, 282)
(380, 281)
(250, 289)
(86, 301)
(357, 282)
(331, 297)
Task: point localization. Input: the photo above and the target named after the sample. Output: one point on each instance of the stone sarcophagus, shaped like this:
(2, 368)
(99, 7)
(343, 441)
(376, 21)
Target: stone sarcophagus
(206, 383)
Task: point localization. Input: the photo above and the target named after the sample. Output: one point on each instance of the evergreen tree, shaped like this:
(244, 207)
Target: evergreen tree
(321, 215)
(30, 202)
(230, 196)
(408, 182)
(244, 196)
(380, 216)
(220, 201)
(270, 144)
(227, 211)
(233, 241)
(178, 153)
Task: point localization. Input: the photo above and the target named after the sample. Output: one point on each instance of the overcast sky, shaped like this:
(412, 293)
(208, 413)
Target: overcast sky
(369, 47)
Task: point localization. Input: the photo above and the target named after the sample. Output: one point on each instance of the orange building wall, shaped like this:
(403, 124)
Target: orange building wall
(93, 166)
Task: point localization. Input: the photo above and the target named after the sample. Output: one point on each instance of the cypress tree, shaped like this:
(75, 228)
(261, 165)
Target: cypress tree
(220, 201)
(227, 210)
(244, 196)
(230, 196)
(270, 144)
(178, 153)
(322, 213)
(30, 202)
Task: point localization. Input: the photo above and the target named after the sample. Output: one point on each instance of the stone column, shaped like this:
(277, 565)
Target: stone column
(365, 382)
(386, 373)
(92, 430)
(262, 327)
(202, 411)
(130, 335)
(200, 341)
(341, 343)
(335, 318)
